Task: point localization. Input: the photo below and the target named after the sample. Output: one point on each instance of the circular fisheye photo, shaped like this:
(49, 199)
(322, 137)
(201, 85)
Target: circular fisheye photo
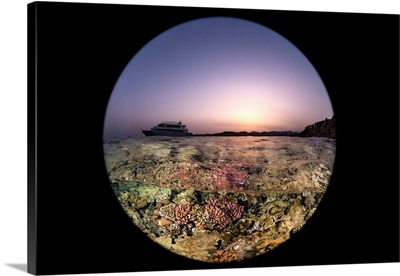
(219, 139)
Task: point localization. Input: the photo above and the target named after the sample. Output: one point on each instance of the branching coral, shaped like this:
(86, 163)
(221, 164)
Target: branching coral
(182, 213)
(214, 215)
(222, 212)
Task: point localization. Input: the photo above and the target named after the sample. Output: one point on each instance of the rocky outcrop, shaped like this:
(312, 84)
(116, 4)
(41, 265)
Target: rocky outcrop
(325, 128)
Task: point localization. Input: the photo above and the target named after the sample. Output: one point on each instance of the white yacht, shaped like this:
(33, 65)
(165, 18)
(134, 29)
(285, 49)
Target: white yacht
(168, 128)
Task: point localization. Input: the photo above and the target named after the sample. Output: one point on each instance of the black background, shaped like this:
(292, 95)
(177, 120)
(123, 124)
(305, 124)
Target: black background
(80, 51)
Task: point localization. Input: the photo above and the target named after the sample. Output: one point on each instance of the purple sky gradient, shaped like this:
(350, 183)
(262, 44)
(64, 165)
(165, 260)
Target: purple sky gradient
(217, 74)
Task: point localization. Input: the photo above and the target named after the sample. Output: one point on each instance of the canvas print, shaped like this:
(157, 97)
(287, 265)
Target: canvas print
(182, 138)
(259, 153)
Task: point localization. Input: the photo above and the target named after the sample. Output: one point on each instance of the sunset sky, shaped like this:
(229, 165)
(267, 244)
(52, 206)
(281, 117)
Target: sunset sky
(217, 74)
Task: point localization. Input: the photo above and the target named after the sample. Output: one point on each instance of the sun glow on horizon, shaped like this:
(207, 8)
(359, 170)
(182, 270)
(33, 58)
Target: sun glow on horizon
(248, 118)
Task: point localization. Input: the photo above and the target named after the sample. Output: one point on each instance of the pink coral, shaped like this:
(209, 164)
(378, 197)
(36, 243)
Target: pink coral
(182, 213)
(222, 213)
(215, 214)
(235, 177)
(216, 217)
(227, 176)
(234, 211)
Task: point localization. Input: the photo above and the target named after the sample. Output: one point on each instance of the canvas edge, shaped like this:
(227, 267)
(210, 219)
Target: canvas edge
(32, 137)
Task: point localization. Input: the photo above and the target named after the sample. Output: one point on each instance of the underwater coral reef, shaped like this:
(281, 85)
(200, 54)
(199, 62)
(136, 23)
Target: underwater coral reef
(219, 199)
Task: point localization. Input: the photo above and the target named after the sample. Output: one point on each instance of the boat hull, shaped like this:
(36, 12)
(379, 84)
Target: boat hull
(166, 133)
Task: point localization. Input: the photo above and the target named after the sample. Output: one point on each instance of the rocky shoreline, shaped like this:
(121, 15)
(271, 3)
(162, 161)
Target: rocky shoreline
(325, 128)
